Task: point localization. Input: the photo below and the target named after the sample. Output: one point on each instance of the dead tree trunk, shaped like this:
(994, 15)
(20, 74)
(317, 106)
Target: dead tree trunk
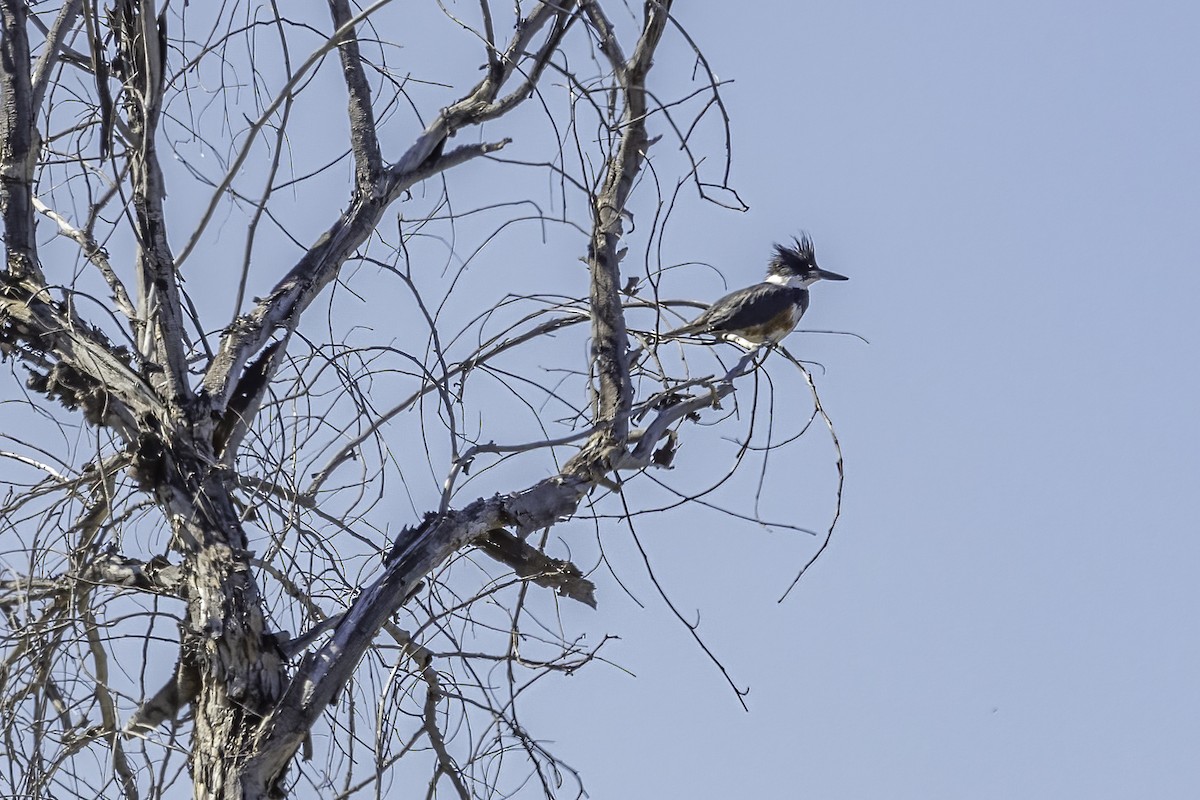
(232, 435)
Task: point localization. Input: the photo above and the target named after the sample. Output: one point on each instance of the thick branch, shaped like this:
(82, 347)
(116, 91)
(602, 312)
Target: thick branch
(19, 142)
(321, 264)
(368, 164)
(324, 672)
(46, 62)
(540, 59)
(71, 362)
(226, 639)
(75, 364)
(142, 46)
(156, 576)
(534, 565)
(480, 104)
(610, 341)
(315, 270)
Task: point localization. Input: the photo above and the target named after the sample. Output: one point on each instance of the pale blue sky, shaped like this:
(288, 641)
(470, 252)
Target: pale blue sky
(1009, 605)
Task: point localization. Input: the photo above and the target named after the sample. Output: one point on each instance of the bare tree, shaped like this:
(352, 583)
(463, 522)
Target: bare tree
(338, 521)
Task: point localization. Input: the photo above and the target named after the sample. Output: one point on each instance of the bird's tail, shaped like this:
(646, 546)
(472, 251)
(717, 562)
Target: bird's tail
(683, 330)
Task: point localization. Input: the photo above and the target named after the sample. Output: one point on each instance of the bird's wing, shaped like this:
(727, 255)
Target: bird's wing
(741, 309)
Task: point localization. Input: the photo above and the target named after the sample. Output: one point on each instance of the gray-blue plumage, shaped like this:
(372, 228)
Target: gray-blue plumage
(767, 311)
(759, 313)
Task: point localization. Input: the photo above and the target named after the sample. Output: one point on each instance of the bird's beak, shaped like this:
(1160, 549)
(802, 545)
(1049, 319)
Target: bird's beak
(825, 274)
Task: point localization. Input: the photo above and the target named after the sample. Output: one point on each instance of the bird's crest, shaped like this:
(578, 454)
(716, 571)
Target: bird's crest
(795, 260)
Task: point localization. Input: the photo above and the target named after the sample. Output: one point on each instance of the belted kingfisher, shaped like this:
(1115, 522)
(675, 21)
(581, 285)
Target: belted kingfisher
(768, 311)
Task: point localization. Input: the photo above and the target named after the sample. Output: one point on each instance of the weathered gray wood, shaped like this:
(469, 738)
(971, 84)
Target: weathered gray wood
(19, 143)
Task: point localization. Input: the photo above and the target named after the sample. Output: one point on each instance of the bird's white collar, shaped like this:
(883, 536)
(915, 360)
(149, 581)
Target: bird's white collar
(792, 282)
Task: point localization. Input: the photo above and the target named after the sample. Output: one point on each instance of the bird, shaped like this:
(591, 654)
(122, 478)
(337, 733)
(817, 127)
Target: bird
(763, 314)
